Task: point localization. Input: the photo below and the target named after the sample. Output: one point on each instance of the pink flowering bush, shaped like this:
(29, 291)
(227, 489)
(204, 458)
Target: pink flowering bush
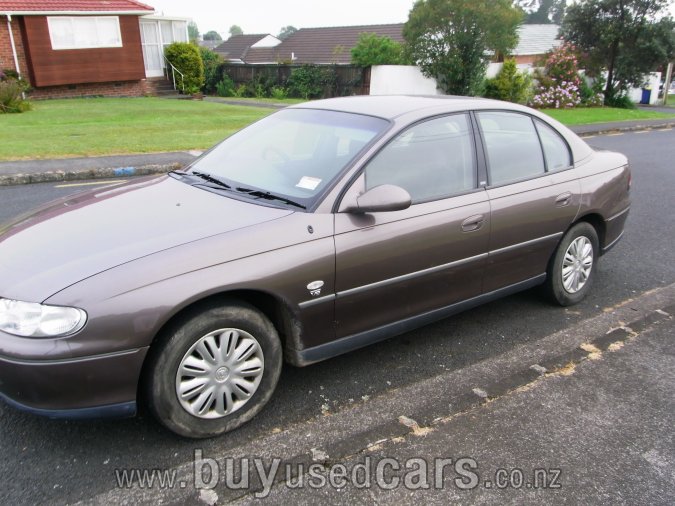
(559, 84)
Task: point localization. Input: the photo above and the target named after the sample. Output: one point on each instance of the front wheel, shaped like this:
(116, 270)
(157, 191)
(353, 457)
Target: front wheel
(214, 371)
(572, 268)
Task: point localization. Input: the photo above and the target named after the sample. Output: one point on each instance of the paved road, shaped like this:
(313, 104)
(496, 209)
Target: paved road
(45, 461)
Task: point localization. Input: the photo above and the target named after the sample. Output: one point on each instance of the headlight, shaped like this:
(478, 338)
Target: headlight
(28, 319)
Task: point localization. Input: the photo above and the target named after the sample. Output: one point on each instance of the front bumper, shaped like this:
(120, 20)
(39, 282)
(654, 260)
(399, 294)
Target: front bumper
(85, 387)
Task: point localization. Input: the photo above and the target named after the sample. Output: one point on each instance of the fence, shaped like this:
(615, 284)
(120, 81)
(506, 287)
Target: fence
(344, 80)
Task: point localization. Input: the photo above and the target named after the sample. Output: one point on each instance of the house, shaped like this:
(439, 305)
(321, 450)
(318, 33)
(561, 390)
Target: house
(534, 41)
(236, 48)
(327, 45)
(69, 48)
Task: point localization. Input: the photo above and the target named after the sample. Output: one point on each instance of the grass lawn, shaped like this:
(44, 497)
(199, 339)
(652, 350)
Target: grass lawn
(102, 126)
(105, 126)
(585, 116)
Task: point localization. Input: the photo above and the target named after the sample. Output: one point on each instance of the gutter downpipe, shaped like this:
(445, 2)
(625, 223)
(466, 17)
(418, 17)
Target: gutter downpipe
(11, 41)
(16, 57)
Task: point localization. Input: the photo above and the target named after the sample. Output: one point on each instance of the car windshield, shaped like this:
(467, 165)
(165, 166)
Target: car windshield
(293, 154)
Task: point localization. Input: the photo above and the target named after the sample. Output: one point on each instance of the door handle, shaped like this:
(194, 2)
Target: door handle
(563, 199)
(473, 223)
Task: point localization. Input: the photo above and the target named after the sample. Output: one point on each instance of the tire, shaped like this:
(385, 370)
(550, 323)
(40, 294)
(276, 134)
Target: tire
(577, 254)
(214, 370)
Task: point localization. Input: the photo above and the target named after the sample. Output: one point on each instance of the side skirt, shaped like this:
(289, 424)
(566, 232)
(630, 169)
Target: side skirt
(350, 343)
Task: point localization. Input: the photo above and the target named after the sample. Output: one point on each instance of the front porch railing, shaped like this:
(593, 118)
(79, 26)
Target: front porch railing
(176, 76)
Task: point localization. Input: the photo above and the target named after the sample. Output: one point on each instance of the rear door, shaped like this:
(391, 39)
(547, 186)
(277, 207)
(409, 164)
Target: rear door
(394, 265)
(534, 195)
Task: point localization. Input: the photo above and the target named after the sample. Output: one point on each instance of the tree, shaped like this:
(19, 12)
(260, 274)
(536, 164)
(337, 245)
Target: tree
(286, 32)
(372, 49)
(193, 32)
(452, 40)
(236, 30)
(627, 38)
(212, 35)
(542, 11)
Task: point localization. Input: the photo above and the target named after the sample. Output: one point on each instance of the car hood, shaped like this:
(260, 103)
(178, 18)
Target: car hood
(74, 238)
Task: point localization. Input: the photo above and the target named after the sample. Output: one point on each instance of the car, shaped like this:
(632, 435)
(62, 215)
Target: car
(320, 229)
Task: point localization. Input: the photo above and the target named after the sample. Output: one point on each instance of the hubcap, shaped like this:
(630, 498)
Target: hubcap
(219, 373)
(577, 264)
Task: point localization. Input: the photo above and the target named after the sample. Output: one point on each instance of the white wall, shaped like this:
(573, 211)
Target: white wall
(267, 41)
(653, 81)
(400, 80)
(494, 68)
(409, 80)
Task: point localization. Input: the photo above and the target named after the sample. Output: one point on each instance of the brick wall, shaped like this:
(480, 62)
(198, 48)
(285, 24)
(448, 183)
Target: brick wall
(120, 89)
(529, 58)
(6, 56)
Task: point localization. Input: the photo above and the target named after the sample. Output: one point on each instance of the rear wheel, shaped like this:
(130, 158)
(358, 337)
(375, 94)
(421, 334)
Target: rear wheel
(572, 268)
(214, 371)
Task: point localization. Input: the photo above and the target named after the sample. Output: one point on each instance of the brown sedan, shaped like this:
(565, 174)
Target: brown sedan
(320, 229)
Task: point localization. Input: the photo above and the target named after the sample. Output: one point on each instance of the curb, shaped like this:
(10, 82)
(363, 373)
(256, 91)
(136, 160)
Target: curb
(76, 175)
(628, 128)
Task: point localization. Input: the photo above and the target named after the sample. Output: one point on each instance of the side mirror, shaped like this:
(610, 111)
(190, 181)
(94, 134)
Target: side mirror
(383, 198)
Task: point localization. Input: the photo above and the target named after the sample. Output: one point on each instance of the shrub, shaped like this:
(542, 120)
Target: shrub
(559, 83)
(305, 82)
(186, 58)
(279, 93)
(509, 85)
(241, 91)
(621, 101)
(225, 87)
(12, 88)
(592, 95)
(312, 81)
(212, 62)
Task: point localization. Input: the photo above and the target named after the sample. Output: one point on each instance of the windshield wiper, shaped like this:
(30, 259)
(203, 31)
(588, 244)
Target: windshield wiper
(210, 179)
(269, 196)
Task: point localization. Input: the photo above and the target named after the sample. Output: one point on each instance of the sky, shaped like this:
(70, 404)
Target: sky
(269, 16)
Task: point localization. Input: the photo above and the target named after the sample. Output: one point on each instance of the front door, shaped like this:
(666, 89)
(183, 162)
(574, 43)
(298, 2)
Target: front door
(394, 265)
(152, 49)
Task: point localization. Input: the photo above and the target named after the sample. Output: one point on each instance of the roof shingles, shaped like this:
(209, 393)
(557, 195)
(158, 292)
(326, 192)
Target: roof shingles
(236, 46)
(12, 6)
(321, 45)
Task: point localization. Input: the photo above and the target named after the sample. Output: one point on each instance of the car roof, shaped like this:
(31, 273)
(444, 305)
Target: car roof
(393, 106)
(417, 107)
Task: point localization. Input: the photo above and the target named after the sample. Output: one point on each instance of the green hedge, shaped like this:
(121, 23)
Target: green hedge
(187, 59)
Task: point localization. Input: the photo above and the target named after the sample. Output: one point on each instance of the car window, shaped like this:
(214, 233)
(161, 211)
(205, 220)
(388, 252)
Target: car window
(431, 160)
(294, 153)
(555, 148)
(512, 146)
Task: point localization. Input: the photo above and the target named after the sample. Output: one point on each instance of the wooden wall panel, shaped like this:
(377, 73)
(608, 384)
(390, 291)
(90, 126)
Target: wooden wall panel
(75, 66)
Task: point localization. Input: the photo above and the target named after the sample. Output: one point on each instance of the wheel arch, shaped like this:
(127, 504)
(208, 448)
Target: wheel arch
(274, 308)
(598, 223)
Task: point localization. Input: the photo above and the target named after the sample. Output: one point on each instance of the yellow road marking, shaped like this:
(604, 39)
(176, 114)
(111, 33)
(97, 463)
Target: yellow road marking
(86, 184)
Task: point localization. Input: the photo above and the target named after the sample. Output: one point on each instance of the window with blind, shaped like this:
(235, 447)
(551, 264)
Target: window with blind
(84, 32)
